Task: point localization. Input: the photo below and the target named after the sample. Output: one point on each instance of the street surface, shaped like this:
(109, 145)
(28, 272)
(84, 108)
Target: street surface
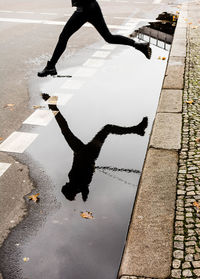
(109, 85)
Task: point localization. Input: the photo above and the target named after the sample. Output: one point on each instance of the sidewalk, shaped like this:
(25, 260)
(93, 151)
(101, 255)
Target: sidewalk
(163, 238)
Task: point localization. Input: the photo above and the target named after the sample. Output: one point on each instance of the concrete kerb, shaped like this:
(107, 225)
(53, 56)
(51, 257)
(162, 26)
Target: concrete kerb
(148, 250)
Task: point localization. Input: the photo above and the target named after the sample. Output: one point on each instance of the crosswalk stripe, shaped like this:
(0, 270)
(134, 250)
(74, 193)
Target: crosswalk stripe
(18, 142)
(3, 168)
(39, 117)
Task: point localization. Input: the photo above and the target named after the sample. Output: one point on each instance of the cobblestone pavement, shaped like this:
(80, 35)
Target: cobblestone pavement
(186, 254)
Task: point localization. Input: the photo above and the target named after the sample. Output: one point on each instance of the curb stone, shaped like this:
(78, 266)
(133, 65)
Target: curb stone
(152, 223)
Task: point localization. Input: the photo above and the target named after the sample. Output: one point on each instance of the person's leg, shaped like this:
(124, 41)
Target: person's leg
(72, 25)
(97, 20)
(97, 142)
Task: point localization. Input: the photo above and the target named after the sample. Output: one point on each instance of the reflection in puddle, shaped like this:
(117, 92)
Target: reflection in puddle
(66, 245)
(85, 155)
(159, 33)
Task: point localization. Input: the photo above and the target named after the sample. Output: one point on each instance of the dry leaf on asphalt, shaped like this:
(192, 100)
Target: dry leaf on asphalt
(38, 107)
(26, 259)
(190, 101)
(9, 106)
(34, 197)
(87, 215)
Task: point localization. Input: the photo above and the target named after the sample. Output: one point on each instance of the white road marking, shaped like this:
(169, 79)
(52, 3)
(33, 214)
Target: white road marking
(101, 54)
(18, 142)
(63, 99)
(24, 12)
(3, 168)
(6, 11)
(19, 20)
(39, 117)
(74, 84)
(108, 47)
(52, 22)
(91, 62)
(85, 72)
(48, 13)
(156, 1)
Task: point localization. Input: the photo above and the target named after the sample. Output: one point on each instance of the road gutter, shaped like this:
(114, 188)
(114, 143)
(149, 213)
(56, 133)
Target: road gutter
(148, 250)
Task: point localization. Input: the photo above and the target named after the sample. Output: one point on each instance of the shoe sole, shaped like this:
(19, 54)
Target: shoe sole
(49, 74)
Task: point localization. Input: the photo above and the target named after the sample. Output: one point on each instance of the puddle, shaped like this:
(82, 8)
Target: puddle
(108, 159)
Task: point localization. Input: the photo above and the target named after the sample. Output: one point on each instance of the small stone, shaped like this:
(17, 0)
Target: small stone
(178, 254)
(186, 265)
(189, 258)
(179, 237)
(187, 273)
(180, 192)
(190, 243)
(176, 273)
(196, 264)
(196, 272)
(176, 263)
(179, 245)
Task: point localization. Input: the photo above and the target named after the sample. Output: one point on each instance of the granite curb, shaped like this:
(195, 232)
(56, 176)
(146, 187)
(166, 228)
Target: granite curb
(149, 246)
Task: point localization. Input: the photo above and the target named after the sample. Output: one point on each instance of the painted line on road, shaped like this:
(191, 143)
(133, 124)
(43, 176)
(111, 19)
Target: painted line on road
(108, 47)
(18, 142)
(85, 72)
(3, 168)
(52, 22)
(48, 14)
(39, 117)
(101, 54)
(74, 84)
(23, 12)
(92, 62)
(62, 100)
(157, 1)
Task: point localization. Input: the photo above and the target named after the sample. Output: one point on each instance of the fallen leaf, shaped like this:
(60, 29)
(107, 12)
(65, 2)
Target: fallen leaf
(197, 140)
(1, 139)
(9, 106)
(26, 259)
(195, 27)
(53, 100)
(190, 101)
(163, 58)
(196, 204)
(34, 197)
(37, 107)
(87, 215)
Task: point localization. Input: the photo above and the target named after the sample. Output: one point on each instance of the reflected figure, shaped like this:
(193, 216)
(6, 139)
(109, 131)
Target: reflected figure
(85, 155)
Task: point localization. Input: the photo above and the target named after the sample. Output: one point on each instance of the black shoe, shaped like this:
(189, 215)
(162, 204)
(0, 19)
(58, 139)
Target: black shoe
(48, 70)
(144, 48)
(140, 128)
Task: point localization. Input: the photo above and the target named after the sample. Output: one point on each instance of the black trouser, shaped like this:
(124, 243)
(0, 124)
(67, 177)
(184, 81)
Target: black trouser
(92, 14)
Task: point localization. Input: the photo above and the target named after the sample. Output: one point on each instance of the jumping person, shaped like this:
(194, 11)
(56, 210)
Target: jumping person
(88, 11)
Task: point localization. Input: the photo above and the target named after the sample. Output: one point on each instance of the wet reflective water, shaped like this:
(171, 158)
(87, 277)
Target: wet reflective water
(123, 91)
